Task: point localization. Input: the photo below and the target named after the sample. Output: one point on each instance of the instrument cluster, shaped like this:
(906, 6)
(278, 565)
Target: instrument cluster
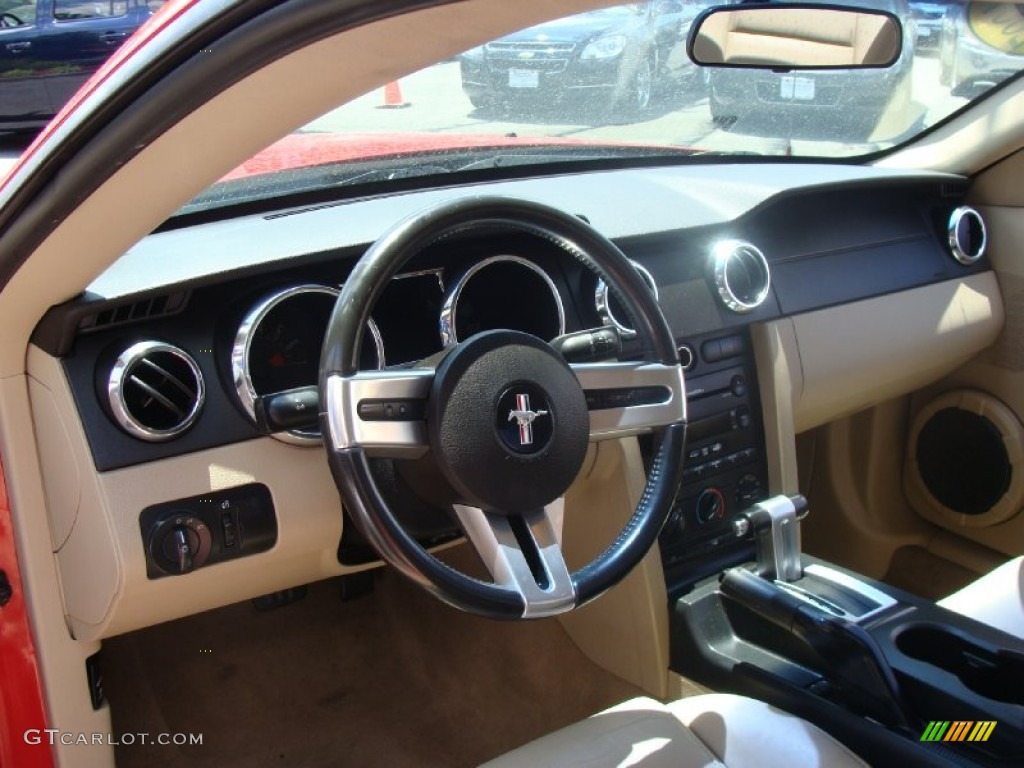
(278, 341)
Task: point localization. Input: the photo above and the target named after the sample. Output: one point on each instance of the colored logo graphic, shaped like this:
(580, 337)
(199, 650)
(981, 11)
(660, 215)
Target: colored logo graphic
(958, 730)
(1000, 25)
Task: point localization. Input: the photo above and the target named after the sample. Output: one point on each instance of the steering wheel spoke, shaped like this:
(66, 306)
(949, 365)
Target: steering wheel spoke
(631, 398)
(382, 412)
(523, 553)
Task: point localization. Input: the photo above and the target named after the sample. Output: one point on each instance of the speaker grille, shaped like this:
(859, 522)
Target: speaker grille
(963, 462)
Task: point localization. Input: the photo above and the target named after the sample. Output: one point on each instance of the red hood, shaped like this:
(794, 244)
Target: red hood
(304, 150)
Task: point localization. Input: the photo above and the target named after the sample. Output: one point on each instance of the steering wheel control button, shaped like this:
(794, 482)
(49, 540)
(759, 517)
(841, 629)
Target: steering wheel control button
(601, 399)
(392, 410)
(524, 422)
(507, 421)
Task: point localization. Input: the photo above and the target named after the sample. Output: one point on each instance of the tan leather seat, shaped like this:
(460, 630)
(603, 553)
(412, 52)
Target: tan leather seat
(997, 598)
(712, 730)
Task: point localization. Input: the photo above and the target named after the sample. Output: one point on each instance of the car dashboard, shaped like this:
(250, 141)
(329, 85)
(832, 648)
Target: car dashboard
(792, 304)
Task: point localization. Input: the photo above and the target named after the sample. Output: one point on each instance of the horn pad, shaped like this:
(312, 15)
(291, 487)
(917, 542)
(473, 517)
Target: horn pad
(508, 422)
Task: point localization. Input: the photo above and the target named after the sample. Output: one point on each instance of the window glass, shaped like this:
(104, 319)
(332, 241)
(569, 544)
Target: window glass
(617, 84)
(73, 10)
(17, 13)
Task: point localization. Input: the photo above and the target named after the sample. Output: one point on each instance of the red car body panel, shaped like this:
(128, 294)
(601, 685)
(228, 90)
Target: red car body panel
(305, 150)
(21, 694)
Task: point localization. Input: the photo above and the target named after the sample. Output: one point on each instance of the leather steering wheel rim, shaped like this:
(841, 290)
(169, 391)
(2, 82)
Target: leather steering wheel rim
(351, 436)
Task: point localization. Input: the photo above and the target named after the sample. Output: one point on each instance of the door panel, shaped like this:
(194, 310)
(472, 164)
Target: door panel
(23, 96)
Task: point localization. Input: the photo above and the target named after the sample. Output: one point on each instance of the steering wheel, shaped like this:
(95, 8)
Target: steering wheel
(6, 18)
(506, 419)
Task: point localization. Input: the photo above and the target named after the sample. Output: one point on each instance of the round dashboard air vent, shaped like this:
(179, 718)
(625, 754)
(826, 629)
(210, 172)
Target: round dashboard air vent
(610, 310)
(967, 235)
(155, 390)
(741, 275)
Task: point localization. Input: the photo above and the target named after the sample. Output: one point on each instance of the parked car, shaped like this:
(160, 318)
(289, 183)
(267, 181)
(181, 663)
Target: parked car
(860, 97)
(927, 19)
(613, 57)
(48, 48)
(299, 394)
(981, 44)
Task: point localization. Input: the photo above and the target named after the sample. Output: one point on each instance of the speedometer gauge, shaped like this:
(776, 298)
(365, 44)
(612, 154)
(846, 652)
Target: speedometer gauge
(277, 347)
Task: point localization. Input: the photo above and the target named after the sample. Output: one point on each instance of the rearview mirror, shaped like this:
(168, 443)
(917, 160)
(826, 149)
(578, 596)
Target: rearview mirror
(785, 36)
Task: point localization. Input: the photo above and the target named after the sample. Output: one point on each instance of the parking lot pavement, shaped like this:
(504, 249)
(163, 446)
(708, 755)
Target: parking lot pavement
(436, 103)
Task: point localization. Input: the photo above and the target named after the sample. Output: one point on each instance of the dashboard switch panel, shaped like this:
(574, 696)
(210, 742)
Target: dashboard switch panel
(724, 469)
(183, 535)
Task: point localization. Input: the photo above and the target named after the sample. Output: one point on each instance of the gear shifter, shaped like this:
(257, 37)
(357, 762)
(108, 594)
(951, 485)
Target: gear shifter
(774, 523)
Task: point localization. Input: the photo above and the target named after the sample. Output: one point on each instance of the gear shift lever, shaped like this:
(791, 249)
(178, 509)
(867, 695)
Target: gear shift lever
(774, 523)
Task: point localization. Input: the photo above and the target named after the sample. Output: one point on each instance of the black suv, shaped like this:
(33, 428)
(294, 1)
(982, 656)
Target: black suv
(48, 48)
(613, 56)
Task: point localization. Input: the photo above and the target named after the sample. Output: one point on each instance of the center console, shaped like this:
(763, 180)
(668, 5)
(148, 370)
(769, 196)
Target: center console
(895, 677)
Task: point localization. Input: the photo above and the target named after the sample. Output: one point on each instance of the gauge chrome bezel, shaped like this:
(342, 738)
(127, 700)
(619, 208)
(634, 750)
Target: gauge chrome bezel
(953, 235)
(240, 372)
(449, 309)
(115, 391)
(602, 301)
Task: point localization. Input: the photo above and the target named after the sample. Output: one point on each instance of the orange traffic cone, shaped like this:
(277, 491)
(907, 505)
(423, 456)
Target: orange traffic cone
(393, 97)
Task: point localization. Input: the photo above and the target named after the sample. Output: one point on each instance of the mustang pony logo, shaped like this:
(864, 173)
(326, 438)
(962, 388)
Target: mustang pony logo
(525, 418)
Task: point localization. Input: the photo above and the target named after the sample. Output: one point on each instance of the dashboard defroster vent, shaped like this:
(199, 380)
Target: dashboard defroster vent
(155, 391)
(741, 275)
(967, 235)
(143, 309)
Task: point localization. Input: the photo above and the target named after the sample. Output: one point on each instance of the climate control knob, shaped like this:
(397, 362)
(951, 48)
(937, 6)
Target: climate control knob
(710, 506)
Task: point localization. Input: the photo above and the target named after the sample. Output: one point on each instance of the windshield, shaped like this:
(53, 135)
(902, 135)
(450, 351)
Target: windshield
(617, 84)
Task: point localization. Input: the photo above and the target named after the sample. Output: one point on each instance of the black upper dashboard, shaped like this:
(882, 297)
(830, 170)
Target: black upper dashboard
(246, 300)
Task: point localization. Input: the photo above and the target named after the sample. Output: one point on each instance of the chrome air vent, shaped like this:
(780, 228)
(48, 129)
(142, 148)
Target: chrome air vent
(967, 235)
(741, 275)
(611, 311)
(155, 391)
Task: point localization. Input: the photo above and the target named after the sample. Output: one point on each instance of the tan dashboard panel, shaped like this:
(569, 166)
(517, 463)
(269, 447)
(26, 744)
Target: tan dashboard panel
(625, 631)
(999, 372)
(102, 562)
(1000, 185)
(857, 355)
